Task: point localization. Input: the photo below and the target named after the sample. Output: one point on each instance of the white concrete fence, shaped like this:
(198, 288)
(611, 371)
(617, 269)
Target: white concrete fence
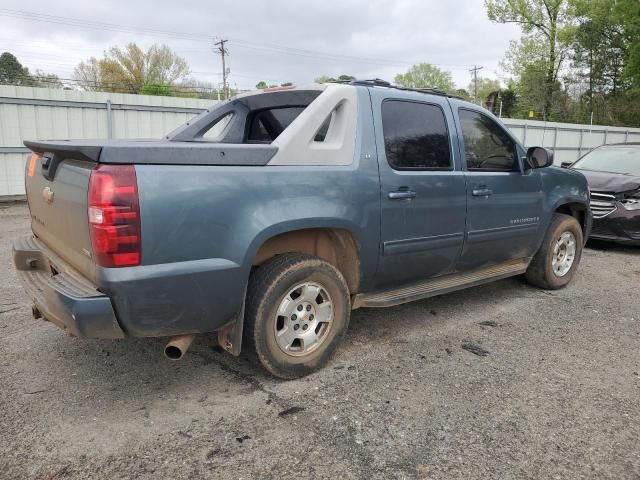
(38, 113)
(569, 141)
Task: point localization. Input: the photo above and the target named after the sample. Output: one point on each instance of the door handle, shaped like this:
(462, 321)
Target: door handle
(402, 194)
(482, 192)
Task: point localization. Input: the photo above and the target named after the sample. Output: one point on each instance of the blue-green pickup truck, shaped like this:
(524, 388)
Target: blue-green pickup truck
(271, 216)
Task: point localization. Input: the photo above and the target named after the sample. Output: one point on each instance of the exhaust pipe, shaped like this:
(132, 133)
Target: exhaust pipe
(178, 346)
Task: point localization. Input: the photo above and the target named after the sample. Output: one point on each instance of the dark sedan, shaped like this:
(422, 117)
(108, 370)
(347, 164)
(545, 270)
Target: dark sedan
(613, 173)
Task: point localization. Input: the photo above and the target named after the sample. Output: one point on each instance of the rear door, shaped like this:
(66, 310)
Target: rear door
(423, 200)
(57, 196)
(504, 201)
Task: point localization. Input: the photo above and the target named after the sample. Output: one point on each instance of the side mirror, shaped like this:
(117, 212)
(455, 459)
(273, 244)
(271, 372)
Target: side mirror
(566, 164)
(539, 157)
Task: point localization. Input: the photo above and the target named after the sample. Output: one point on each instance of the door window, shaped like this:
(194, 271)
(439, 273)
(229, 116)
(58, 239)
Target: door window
(415, 136)
(487, 147)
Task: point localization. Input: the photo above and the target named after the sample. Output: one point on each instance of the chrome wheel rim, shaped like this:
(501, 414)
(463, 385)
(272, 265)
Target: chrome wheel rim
(564, 253)
(303, 319)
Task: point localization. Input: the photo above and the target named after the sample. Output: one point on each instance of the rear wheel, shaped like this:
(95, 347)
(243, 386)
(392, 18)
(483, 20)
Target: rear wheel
(555, 264)
(297, 311)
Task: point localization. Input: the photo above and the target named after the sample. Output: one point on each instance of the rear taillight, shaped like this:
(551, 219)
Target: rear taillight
(114, 215)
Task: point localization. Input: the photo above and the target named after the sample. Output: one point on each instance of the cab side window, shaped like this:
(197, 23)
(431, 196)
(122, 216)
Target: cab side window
(415, 136)
(487, 146)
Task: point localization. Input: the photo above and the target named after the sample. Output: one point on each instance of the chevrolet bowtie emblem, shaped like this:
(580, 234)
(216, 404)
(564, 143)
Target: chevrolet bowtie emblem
(47, 194)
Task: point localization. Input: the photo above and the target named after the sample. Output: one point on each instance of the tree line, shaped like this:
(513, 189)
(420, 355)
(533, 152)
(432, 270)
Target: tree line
(577, 60)
(13, 73)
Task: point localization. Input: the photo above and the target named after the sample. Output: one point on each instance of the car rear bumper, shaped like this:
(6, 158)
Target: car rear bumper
(622, 226)
(63, 298)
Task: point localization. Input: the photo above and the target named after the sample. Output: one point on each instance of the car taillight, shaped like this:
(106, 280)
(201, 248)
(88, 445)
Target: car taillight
(114, 215)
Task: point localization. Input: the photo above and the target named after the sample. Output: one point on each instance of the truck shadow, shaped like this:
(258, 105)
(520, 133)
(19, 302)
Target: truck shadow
(139, 364)
(382, 325)
(137, 367)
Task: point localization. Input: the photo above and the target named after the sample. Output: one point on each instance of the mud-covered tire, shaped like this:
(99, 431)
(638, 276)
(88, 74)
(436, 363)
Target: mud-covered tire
(270, 293)
(541, 269)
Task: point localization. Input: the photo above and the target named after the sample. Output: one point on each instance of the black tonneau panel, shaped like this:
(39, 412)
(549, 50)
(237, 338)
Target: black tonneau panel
(67, 149)
(189, 153)
(158, 152)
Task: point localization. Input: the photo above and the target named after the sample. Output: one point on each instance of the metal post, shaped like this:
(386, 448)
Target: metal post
(109, 120)
(591, 130)
(605, 136)
(524, 136)
(223, 51)
(580, 145)
(555, 138)
(626, 136)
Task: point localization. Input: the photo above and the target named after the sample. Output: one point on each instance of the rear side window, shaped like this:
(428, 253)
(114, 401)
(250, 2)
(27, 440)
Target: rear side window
(415, 136)
(487, 147)
(216, 130)
(264, 126)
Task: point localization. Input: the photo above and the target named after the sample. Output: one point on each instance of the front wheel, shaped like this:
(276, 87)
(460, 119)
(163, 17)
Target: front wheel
(297, 311)
(555, 264)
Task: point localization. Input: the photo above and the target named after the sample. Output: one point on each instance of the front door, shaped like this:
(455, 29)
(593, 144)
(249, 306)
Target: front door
(504, 201)
(423, 202)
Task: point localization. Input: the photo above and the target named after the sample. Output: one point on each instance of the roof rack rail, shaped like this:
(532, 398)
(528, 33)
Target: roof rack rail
(377, 82)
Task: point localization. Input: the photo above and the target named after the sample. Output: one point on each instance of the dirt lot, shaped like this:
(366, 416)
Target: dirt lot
(558, 395)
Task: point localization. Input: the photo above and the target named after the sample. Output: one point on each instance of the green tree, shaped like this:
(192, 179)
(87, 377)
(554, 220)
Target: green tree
(13, 73)
(158, 89)
(163, 66)
(328, 79)
(628, 11)
(547, 27)
(324, 79)
(47, 80)
(88, 74)
(486, 86)
(132, 70)
(600, 51)
(425, 75)
(123, 69)
(464, 94)
(509, 102)
(604, 77)
(261, 85)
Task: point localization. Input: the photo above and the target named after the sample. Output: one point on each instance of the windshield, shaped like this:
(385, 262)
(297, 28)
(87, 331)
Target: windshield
(625, 160)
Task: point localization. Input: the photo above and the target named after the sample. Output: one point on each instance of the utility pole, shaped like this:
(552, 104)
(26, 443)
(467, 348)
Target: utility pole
(474, 72)
(223, 51)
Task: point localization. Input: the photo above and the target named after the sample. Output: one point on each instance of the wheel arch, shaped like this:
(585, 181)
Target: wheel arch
(335, 244)
(577, 210)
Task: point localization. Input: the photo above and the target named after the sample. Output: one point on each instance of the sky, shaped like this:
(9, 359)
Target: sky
(272, 40)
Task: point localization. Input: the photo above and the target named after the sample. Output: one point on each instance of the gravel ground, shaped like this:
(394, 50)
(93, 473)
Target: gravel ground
(557, 396)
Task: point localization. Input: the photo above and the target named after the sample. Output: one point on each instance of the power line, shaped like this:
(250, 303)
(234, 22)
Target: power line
(40, 17)
(262, 46)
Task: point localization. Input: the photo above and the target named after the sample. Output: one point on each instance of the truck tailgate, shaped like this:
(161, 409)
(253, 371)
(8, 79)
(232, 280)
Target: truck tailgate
(57, 196)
